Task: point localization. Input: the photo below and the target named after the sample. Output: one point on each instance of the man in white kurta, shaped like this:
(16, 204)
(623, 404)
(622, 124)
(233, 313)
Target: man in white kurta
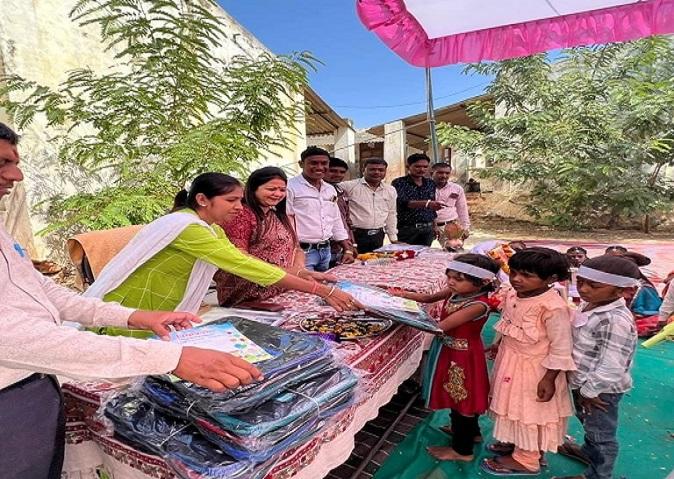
(35, 346)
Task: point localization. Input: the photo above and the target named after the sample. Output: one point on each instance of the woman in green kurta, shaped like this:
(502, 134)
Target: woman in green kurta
(170, 262)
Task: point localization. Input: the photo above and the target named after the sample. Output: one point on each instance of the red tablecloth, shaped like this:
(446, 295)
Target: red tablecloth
(385, 362)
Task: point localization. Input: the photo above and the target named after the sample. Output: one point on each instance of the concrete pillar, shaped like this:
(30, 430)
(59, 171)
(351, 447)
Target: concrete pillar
(395, 140)
(460, 165)
(345, 148)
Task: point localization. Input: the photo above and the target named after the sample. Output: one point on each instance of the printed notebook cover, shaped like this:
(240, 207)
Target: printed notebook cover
(222, 337)
(401, 310)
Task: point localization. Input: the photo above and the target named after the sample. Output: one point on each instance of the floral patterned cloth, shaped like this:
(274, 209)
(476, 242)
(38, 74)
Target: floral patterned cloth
(270, 241)
(384, 362)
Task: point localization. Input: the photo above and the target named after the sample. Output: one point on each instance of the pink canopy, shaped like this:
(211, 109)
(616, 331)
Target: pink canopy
(432, 33)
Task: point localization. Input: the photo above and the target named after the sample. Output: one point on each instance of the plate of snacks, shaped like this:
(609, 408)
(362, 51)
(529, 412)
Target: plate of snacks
(345, 328)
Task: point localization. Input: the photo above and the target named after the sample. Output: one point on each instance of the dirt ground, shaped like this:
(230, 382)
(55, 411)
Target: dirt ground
(489, 227)
(503, 216)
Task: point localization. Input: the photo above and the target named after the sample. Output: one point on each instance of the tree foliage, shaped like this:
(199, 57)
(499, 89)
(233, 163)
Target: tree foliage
(588, 136)
(168, 109)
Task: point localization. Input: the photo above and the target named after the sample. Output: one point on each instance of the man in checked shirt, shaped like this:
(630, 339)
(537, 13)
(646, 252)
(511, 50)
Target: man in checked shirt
(604, 343)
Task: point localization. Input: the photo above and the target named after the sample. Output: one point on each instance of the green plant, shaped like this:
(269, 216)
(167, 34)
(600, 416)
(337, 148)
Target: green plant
(165, 111)
(587, 137)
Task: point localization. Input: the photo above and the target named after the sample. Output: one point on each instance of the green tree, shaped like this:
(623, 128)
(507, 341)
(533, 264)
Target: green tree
(587, 136)
(165, 111)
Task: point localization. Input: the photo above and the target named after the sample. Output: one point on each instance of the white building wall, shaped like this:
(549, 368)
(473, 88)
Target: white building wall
(38, 41)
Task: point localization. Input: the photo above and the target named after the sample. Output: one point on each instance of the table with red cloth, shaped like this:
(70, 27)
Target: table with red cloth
(384, 361)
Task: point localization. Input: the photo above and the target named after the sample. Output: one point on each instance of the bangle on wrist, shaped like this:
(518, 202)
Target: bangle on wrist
(428, 202)
(332, 290)
(314, 287)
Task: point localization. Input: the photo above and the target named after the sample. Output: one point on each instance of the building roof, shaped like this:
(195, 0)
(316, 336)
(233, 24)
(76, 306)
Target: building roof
(417, 126)
(321, 119)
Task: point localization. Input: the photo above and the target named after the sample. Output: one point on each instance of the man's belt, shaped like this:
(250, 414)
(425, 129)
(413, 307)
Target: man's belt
(443, 223)
(319, 245)
(369, 232)
(424, 225)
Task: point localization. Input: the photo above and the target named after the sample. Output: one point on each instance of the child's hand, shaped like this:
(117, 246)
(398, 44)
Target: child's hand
(586, 404)
(546, 389)
(401, 293)
(491, 351)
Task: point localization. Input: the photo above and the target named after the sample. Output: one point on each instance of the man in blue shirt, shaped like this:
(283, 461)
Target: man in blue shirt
(416, 202)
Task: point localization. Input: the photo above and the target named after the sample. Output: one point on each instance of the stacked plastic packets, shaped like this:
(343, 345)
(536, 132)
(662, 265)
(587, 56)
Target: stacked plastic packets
(238, 433)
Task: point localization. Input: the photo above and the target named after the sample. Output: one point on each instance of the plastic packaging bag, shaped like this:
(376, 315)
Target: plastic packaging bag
(142, 426)
(400, 310)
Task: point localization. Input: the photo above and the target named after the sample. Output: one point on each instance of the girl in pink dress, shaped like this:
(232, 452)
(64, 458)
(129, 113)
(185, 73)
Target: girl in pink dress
(530, 398)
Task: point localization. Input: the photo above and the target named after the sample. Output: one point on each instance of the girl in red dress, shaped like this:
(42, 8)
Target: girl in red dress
(456, 377)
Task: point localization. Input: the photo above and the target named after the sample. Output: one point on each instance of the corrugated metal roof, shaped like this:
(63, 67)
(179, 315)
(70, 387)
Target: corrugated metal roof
(321, 119)
(417, 126)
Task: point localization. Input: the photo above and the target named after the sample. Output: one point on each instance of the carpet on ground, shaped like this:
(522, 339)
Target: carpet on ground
(646, 431)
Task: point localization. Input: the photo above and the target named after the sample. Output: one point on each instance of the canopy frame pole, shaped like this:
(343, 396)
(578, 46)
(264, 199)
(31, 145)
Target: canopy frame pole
(430, 116)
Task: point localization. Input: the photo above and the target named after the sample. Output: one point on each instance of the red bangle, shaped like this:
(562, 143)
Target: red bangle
(314, 287)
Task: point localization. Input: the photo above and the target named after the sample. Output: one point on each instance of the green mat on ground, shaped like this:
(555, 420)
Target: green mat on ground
(645, 431)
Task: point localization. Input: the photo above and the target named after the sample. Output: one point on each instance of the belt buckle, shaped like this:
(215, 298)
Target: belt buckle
(372, 232)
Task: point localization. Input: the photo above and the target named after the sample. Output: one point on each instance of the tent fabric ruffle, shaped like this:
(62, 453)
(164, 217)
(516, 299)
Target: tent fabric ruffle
(391, 21)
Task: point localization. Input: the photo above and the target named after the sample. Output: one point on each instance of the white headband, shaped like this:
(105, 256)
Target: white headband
(607, 278)
(471, 270)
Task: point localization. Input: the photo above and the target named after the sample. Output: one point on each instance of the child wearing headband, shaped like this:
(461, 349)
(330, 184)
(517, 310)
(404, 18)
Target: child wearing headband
(456, 377)
(604, 342)
(530, 399)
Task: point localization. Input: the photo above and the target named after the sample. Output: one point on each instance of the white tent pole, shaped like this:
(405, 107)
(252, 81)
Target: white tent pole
(430, 115)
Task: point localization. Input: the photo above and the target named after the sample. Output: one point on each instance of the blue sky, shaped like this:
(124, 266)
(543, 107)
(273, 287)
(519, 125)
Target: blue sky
(361, 78)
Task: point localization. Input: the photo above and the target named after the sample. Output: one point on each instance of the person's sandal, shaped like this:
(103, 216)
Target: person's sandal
(500, 448)
(493, 467)
(573, 451)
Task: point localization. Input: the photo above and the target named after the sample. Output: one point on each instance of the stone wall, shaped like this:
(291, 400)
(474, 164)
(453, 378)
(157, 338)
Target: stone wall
(39, 42)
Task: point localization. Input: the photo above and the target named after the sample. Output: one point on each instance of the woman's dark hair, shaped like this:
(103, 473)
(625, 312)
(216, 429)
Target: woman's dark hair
(543, 262)
(481, 261)
(617, 248)
(210, 185)
(614, 265)
(256, 179)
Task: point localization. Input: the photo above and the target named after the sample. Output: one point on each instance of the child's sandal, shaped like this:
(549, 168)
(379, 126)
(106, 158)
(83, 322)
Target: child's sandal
(495, 468)
(500, 448)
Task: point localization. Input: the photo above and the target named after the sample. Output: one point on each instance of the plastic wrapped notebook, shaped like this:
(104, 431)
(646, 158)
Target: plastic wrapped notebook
(138, 423)
(394, 247)
(401, 310)
(293, 357)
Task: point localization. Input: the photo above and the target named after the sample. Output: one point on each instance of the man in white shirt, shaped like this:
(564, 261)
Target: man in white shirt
(34, 346)
(453, 222)
(312, 203)
(372, 206)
